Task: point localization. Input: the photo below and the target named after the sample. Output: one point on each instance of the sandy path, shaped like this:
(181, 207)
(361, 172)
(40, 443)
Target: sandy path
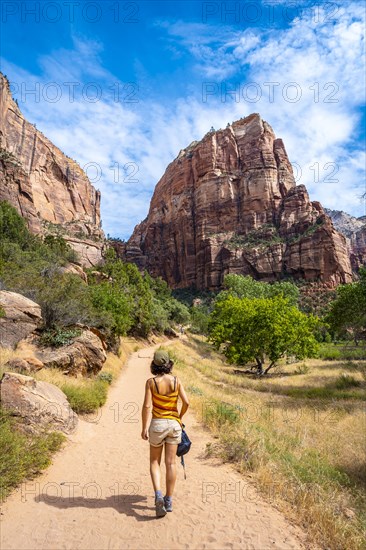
(97, 493)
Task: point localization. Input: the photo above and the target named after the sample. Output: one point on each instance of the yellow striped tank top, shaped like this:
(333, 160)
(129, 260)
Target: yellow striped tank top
(165, 406)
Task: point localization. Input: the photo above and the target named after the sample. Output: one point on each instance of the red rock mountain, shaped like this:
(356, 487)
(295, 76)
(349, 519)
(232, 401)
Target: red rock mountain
(354, 229)
(48, 189)
(229, 204)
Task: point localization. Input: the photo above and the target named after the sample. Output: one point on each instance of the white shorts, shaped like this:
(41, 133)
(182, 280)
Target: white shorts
(164, 430)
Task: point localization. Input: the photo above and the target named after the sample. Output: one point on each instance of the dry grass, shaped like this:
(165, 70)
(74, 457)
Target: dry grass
(284, 379)
(306, 456)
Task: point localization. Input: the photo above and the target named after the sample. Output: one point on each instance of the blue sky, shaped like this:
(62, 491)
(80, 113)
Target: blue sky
(123, 86)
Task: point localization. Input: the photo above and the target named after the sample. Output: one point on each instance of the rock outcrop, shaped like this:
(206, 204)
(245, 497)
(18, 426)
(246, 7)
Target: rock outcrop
(38, 405)
(84, 356)
(229, 204)
(26, 365)
(48, 189)
(354, 229)
(21, 317)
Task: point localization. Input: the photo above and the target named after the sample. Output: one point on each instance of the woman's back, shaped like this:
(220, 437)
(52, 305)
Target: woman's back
(165, 397)
(164, 384)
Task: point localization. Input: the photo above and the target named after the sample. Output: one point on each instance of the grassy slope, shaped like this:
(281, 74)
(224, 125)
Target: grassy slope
(306, 456)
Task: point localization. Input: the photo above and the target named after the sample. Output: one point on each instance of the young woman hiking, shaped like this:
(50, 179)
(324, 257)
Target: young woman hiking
(165, 430)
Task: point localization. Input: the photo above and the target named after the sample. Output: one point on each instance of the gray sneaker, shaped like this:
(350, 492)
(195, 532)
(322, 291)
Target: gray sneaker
(168, 503)
(160, 508)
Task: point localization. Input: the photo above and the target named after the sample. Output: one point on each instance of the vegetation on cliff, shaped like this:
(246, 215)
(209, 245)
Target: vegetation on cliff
(117, 298)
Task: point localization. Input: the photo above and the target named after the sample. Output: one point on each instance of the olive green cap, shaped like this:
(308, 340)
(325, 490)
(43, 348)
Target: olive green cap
(161, 358)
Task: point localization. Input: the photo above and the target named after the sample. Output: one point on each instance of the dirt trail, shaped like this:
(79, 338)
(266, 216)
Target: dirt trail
(97, 494)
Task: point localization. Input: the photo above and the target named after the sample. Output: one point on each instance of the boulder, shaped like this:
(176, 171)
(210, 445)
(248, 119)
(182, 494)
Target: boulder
(22, 316)
(24, 364)
(74, 269)
(39, 405)
(84, 356)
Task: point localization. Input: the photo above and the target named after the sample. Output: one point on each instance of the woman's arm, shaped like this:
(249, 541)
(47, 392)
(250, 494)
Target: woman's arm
(185, 403)
(146, 407)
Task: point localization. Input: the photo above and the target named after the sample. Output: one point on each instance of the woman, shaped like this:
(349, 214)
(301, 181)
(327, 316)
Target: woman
(165, 429)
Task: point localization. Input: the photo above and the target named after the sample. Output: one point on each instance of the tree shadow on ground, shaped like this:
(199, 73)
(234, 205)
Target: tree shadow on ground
(130, 505)
(200, 346)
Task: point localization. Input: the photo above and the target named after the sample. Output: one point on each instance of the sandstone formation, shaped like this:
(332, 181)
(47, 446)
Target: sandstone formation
(26, 365)
(354, 229)
(73, 269)
(22, 316)
(48, 189)
(229, 204)
(84, 356)
(39, 405)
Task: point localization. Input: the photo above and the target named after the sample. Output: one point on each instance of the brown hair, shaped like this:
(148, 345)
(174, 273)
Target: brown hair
(165, 369)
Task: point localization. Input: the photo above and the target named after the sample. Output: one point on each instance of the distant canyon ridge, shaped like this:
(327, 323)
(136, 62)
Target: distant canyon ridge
(226, 204)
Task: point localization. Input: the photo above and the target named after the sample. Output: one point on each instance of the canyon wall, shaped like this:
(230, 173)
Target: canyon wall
(48, 189)
(229, 204)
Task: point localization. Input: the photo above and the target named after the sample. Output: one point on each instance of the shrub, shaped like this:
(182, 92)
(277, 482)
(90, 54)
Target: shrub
(12, 226)
(23, 456)
(105, 377)
(302, 369)
(347, 315)
(86, 398)
(217, 413)
(345, 381)
(200, 317)
(125, 302)
(58, 336)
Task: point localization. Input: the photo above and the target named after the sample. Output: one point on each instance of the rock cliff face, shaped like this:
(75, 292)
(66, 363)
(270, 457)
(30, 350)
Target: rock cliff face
(229, 204)
(47, 188)
(354, 229)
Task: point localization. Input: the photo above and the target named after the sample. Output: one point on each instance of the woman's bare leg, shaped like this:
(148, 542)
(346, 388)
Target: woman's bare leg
(171, 469)
(155, 459)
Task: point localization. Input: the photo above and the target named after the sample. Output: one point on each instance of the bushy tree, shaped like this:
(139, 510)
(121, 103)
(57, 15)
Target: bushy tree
(347, 315)
(247, 287)
(149, 301)
(113, 305)
(262, 330)
(12, 226)
(124, 301)
(200, 317)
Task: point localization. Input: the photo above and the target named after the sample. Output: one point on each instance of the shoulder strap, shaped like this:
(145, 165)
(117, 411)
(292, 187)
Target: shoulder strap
(157, 389)
(175, 381)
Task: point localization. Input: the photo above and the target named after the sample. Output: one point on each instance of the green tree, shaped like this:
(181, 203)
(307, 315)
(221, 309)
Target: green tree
(200, 317)
(262, 330)
(247, 287)
(347, 315)
(12, 226)
(114, 305)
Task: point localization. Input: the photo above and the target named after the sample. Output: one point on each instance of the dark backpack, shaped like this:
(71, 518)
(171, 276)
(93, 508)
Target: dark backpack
(183, 448)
